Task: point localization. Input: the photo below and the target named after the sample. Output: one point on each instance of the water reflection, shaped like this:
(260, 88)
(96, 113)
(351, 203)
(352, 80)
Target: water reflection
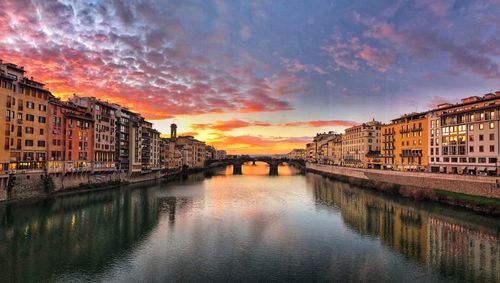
(467, 248)
(249, 227)
(260, 168)
(81, 232)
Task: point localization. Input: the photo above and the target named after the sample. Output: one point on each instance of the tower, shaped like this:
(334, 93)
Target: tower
(173, 132)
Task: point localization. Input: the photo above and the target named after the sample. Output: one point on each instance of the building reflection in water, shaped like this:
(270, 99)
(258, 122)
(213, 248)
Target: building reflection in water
(456, 249)
(84, 232)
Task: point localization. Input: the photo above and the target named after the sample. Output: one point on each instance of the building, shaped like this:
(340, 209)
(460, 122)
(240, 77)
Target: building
(358, 141)
(24, 102)
(193, 151)
(104, 118)
(171, 153)
(220, 154)
(135, 145)
(320, 146)
(334, 151)
(210, 152)
(464, 138)
(297, 153)
(310, 152)
(150, 147)
(404, 143)
(70, 138)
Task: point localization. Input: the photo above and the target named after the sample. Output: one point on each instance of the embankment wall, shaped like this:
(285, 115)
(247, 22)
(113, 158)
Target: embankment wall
(484, 186)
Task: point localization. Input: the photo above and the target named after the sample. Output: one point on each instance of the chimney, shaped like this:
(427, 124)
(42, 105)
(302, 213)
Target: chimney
(173, 132)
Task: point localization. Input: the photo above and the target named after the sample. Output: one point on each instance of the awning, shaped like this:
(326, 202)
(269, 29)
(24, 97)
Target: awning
(481, 168)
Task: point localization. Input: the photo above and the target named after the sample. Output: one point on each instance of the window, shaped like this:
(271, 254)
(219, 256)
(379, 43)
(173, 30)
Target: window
(30, 105)
(41, 143)
(463, 159)
(471, 138)
(28, 142)
(492, 125)
(30, 117)
(492, 160)
(42, 107)
(481, 137)
(481, 160)
(41, 132)
(471, 149)
(41, 119)
(492, 137)
(481, 126)
(437, 152)
(492, 148)
(481, 148)
(29, 130)
(472, 160)
(471, 127)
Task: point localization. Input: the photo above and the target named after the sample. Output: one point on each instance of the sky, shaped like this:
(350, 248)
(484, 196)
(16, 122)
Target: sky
(258, 77)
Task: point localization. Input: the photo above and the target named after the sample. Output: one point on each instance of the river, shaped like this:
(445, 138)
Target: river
(250, 227)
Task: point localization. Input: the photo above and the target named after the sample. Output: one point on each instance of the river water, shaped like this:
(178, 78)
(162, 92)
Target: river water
(252, 227)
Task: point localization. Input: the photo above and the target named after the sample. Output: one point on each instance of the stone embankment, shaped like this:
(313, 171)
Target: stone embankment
(39, 185)
(420, 185)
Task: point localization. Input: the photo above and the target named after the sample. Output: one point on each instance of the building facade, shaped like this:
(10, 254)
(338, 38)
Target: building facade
(193, 151)
(24, 103)
(70, 138)
(104, 138)
(464, 138)
(358, 141)
(404, 143)
(335, 151)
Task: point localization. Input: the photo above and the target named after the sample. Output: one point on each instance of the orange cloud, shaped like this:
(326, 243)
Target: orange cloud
(247, 144)
(226, 126)
(320, 123)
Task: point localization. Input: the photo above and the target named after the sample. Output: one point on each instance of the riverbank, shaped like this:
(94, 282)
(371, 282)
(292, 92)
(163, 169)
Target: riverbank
(478, 193)
(36, 186)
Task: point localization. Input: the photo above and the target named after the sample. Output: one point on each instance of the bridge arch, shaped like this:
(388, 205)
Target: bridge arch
(272, 162)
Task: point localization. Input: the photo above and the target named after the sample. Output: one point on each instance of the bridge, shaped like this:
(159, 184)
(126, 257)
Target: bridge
(237, 162)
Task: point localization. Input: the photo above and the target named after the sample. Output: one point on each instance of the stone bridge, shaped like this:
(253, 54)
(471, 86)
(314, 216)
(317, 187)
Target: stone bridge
(239, 161)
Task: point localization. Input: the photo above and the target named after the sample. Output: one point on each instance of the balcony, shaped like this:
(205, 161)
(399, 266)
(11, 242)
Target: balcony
(411, 154)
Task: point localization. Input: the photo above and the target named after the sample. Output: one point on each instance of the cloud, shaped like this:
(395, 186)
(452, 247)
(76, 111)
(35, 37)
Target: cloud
(320, 123)
(245, 32)
(147, 57)
(248, 144)
(352, 54)
(425, 43)
(226, 126)
(294, 66)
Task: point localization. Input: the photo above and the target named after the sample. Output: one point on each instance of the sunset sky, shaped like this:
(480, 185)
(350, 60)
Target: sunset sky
(258, 76)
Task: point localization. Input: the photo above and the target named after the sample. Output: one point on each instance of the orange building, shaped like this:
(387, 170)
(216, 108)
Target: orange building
(404, 143)
(104, 118)
(24, 130)
(71, 142)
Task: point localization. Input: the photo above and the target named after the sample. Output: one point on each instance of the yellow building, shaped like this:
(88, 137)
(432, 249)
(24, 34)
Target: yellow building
(24, 102)
(404, 143)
